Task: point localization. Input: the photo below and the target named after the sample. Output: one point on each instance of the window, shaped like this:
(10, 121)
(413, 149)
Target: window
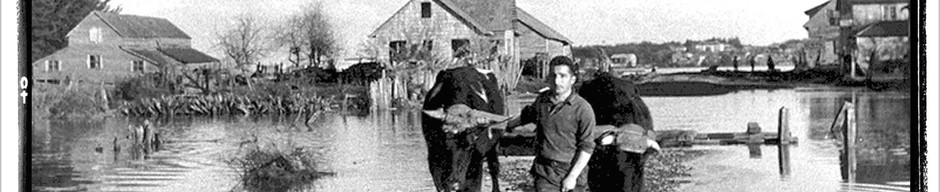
(94, 61)
(428, 45)
(94, 34)
(52, 65)
(890, 13)
(137, 66)
(397, 50)
(458, 46)
(426, 10)
(833, 17)
(495, 46)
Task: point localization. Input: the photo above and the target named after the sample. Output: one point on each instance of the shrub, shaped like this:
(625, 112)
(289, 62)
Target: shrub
(145, 86)
(275, 168)
(68, 101)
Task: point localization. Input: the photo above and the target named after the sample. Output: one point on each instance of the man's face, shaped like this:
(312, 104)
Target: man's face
(561, 79)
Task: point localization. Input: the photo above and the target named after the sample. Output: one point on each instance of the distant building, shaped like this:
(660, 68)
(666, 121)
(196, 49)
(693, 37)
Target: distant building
(623, 59)
(444, 26)
(873, 29)
(711, 46)
(105, 47)
(823, 29)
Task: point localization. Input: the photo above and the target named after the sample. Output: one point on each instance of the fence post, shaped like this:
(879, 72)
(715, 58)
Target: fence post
(849, 143)
(783, 126)
(783, 148)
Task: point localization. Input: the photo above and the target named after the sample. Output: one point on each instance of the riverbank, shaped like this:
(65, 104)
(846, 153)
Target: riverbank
(715, 82)
(664, 172)
(739, 80)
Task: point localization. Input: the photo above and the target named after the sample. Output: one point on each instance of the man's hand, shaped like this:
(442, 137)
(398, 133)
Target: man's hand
(569, 183)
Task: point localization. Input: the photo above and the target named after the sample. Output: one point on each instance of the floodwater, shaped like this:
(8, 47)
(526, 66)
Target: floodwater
(385, 151)
(883, 139)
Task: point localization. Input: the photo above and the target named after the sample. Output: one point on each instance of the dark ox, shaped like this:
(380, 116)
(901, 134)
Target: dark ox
(615, 102)
(455, 160)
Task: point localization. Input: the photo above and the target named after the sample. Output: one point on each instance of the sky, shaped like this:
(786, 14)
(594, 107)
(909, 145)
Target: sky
(756, 22)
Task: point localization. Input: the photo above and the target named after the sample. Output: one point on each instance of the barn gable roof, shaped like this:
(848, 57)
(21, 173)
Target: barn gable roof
(159, 56)
(471, 21)
(133, 26)
(151, 55)
(540, 27)
(885, 29)
(816, 9)
(187, 55)
(451, 8)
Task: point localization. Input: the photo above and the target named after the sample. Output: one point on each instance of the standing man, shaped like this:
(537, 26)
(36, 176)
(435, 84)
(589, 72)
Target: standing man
(752, 61)
(564, 132)
(770, 63)
(734, 61)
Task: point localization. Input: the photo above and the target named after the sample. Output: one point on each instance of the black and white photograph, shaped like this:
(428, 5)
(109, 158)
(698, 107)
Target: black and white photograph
(470, 95)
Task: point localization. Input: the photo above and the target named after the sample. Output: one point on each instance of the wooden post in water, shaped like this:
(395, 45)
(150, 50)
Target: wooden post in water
(783, 156)
(783, 148)
(783, 125)
(849, 143)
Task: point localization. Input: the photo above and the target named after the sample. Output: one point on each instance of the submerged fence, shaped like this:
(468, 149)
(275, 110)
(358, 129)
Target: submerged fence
(406, 90)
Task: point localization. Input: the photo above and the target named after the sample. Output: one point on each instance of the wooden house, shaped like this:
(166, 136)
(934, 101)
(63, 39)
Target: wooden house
(823, 28)
(106, 47)
(444, 26)
(853, 32)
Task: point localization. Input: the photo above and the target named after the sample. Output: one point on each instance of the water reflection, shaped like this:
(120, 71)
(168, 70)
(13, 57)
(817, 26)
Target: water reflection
(814, 165)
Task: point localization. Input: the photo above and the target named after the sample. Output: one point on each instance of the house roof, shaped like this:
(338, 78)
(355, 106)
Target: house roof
(816, 9)
(877, 1)
(885, 29)
(494, 15)
(540, 27)
(151, 55)
(160, 56)
(187, 55)
(474, 23)
(133, 26)
(463, 15)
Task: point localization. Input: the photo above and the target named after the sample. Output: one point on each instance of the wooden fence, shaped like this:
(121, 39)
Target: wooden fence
(408, 88)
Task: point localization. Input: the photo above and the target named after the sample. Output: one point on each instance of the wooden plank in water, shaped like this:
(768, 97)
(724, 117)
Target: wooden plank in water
(523, 144)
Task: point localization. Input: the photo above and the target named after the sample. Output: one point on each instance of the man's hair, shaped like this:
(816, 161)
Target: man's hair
(564, 61)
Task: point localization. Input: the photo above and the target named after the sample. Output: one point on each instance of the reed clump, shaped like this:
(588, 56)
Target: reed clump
(226, 104)
(288, 168)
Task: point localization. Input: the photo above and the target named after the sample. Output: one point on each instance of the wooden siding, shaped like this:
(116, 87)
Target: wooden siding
(115, 64)
(80, 35)
(407, 25)
(818, 25)
(530, 43)
(870, 13)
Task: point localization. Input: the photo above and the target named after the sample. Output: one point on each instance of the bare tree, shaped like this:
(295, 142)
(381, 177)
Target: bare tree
(244, 42)
(308, 36)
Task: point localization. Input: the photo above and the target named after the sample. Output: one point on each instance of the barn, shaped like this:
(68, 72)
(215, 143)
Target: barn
(106, 47)
(446, 25)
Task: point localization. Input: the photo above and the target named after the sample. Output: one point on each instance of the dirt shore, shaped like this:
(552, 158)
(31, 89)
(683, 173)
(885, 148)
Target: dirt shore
(666, 171)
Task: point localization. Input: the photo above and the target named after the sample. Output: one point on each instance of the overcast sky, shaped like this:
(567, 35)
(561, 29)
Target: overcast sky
(758, 22)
